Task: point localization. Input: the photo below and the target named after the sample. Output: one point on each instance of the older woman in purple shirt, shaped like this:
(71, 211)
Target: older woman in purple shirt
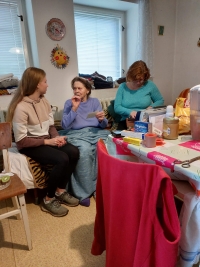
(83, 130)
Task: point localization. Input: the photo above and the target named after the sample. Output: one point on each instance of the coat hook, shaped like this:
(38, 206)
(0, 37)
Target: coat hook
(21, 17)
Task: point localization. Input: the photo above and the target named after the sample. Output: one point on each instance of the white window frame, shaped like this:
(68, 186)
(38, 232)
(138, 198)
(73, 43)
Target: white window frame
(23, 31)
(121, 15)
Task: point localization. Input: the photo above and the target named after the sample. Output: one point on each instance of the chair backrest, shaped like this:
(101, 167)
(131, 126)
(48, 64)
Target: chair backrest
(5, 142)
(135, 206)
(183, 94)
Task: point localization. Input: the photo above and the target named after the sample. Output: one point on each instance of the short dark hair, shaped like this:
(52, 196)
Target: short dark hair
(84, 81)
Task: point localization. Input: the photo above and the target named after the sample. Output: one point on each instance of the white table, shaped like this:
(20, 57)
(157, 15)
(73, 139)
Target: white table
(180, 149)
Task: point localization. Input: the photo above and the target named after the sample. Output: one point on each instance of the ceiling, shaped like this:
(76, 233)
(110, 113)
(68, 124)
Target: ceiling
(110, 4)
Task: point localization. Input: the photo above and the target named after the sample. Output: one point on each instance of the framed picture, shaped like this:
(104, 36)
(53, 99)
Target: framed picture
(160, 30)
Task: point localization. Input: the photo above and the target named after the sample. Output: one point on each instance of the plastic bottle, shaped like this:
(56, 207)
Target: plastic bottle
(169, 111)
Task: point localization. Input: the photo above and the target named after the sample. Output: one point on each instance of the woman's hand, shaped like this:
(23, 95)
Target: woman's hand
(149, 107)
(133, 114)
(76, 100)
(100, 116)
(56, 141)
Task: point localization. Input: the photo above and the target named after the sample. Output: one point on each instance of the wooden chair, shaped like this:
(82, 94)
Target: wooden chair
(16, 189)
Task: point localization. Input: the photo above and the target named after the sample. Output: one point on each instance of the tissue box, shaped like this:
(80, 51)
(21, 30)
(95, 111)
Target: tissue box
(142, 127)
(145, 114)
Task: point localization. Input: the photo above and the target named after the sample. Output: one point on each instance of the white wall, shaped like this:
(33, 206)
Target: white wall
(164, 13)
(59, 89)
(187, 53)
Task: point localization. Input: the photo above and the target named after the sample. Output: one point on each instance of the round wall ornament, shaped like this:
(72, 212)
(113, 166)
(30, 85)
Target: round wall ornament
(59, 57)
(55, 29)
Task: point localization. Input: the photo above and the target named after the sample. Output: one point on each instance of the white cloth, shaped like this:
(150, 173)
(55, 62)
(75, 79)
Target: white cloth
(6, 77)
(190, 230)
(19, 165)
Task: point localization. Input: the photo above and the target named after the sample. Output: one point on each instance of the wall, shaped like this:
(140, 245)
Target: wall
(187, 53)
(59, 80)
(164, 13)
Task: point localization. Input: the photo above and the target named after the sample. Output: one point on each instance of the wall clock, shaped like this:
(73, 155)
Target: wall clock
(55, 29)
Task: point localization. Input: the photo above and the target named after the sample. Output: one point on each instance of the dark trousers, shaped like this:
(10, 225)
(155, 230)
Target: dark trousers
(63, 159)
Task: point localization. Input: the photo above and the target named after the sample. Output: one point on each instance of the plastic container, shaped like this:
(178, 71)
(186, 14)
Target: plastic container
(195, 112)
(170, 128)
(195, 124)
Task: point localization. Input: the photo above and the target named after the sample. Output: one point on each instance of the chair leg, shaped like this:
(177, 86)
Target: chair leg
(22, 204)
(36, 197)
(16, 206)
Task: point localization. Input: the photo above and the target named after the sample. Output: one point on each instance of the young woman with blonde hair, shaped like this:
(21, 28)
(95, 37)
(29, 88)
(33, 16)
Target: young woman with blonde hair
(37, 138)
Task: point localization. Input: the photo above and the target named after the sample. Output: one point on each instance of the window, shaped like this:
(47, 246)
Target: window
(11, 46)
(98, 38)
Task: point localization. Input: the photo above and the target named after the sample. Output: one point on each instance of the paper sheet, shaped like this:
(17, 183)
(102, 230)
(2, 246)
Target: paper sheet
(91, 114)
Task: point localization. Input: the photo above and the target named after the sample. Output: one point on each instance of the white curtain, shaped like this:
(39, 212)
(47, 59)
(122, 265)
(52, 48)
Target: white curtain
(144, 49)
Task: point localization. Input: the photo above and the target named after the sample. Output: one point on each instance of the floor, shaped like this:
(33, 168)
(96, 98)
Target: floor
(62, 242)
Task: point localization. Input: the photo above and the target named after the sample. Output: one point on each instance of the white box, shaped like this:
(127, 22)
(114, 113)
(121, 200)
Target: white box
(144, 115)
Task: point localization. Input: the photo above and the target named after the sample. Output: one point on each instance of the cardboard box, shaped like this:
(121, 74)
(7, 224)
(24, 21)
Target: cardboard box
(142, 127)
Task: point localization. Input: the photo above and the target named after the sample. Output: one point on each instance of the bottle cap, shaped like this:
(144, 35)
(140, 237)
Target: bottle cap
(169, 109)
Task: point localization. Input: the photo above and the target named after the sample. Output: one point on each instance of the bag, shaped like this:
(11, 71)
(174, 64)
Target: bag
(102, 84)
(182, 111)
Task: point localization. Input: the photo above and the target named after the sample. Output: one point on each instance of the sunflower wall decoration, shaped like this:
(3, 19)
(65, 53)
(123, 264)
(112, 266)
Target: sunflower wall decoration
(59, 57)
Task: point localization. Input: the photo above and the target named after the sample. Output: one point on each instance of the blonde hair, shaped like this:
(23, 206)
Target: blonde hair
(138, 71)
(27, 86)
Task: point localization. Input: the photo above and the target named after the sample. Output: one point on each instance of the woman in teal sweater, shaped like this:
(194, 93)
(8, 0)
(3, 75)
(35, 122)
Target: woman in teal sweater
(137, 93)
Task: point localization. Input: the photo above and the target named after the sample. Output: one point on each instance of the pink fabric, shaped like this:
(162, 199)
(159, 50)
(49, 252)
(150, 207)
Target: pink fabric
(161, 159)
(192, 145)
(126, 223)
(121, 147)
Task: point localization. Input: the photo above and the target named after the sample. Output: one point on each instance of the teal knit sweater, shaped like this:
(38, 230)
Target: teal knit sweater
(128, 100)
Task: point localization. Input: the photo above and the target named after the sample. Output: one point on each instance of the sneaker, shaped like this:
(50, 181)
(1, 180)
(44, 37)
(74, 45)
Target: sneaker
(85, 202)
(67, 199)
(54, 208)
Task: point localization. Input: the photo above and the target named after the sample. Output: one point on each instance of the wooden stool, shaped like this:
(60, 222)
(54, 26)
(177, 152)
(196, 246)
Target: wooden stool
(16, 189)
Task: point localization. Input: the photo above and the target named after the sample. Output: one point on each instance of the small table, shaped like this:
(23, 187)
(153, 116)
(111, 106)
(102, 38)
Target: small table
(16, 191)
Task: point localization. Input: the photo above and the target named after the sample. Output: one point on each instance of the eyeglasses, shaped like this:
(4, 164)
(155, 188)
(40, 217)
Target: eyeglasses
(138, 81)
